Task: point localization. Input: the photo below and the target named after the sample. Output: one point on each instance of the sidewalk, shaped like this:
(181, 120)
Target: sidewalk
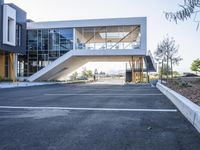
(22, 84)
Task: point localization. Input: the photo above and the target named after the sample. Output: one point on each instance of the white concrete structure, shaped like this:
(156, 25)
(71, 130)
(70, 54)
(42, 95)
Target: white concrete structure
(190, 110)
(6, 85)
(118, 39)
(9, 25)
(141, 21)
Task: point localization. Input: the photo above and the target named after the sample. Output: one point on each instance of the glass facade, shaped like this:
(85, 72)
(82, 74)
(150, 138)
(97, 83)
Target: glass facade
(45, 46)
(22, 66)
(111, 37)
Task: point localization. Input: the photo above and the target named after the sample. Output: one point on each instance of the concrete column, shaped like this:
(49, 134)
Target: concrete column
(74, 38)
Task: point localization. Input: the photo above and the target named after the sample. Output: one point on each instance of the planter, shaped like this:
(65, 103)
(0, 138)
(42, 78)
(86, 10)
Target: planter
(190, 110)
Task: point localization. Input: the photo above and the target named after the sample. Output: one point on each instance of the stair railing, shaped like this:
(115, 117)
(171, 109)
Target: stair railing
(151, 56)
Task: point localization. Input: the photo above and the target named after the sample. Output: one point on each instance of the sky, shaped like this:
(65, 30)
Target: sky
(184, 33)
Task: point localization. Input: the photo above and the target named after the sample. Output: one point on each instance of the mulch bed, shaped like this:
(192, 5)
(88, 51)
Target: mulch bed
(191, 90)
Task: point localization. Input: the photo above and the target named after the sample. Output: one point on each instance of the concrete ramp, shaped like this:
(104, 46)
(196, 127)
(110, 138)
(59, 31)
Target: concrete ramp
(61, 66)
(74, 59)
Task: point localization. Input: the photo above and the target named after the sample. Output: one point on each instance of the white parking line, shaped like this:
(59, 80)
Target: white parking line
(154, 94)
(90, 109)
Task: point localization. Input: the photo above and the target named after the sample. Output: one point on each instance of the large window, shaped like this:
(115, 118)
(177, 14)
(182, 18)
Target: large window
(66, 39)
(45, 39)
(22, 66)
(7, 64)
(112, 37)
(46, 45)
(32, 40)
(18, 34)
(10, 30)
(54, 40)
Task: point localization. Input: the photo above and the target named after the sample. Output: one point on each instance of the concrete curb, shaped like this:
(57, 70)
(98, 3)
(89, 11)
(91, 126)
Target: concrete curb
(23, 84)
(190, 110)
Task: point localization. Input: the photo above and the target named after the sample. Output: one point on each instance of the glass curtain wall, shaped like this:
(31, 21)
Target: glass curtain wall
(112, 37)
(22, 66)
(46, 45)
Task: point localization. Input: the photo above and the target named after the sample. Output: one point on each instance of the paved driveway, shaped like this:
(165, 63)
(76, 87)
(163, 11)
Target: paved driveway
(92, 117)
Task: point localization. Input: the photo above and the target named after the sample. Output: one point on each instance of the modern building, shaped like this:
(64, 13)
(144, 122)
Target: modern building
(12, 39)
(52, 50)
(55, 49)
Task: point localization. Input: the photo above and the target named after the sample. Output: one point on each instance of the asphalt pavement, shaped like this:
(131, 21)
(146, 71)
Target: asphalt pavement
(92, 117)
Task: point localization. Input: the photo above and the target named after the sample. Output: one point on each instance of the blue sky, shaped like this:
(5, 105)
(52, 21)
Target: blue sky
(184, 33)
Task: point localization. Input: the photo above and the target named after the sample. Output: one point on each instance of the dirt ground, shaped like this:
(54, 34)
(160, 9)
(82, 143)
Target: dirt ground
(189, 89)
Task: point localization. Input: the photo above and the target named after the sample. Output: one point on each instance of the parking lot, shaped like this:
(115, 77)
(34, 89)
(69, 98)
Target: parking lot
(92, 117)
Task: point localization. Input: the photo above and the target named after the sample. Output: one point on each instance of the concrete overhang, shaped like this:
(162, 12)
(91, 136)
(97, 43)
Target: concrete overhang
(87, 23)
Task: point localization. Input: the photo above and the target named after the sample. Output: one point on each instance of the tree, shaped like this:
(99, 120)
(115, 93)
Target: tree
(89, 73)
(190, 7)
(167, 51)
(96, 72)
(164, 70)
(196, 65)
(86, 73)
(176, 74)
(175, 61)
(74, 76)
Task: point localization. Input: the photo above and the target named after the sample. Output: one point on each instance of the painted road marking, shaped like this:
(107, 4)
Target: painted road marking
(89, 109)
(154, 94)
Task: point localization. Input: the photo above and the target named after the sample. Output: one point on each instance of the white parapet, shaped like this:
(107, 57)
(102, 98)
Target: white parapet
(9, 25)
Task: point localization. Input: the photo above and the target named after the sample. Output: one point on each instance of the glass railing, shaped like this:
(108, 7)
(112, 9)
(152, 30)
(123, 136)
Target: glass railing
(107, 46)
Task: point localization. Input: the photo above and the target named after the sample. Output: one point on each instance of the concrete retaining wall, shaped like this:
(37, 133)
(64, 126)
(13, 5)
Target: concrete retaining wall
(190, 110)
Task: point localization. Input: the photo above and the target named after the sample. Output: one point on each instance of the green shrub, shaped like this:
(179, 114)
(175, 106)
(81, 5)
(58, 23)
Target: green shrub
(184, 84)
(178, 82)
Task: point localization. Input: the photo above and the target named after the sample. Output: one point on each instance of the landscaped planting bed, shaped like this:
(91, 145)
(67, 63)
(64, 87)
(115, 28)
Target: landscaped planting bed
(187, 87)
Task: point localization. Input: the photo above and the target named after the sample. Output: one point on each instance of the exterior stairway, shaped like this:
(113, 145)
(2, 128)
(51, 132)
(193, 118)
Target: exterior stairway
(151, 66)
